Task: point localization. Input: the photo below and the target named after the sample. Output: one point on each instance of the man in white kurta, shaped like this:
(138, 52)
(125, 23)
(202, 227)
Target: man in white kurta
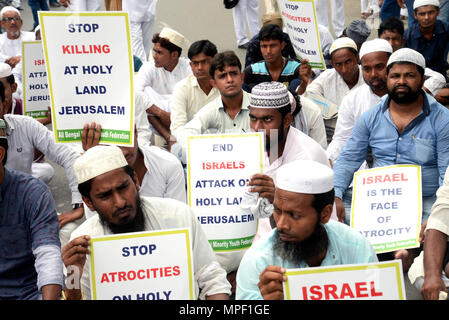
(158, 214)
(157, 79)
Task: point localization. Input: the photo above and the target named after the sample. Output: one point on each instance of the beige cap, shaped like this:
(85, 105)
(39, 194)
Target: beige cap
(343, 42)
(173, 36)
(98, 160)
(305, 176)
(5, 70)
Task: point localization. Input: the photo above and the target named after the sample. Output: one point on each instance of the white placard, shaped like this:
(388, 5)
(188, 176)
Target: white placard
(372, 281)
(387, 206)
(219, 167)
(142, 266)
(90, 74)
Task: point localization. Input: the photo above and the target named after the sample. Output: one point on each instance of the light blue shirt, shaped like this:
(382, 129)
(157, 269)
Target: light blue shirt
(346, 246)
(424, 142)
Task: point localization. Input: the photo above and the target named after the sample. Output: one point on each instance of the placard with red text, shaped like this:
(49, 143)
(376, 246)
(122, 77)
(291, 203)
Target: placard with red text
(90, 74)
(142, 266)
(371, 281)
(387, 206)
(218, 168)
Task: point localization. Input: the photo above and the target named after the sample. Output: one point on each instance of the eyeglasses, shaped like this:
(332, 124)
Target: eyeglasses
(16, 19)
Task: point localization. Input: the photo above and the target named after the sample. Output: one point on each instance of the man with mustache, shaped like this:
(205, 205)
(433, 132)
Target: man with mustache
(304, 236)
(374, 56)
(111, 187)
(408, 126)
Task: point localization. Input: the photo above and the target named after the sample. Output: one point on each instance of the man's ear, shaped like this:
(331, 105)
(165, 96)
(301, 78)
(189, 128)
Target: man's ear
(14, 87)
(326, 214)
(88, 203)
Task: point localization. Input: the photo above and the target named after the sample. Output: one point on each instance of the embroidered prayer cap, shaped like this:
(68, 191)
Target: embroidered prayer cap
(173, 36)
(269, 95)
(5, 70)
(421, 3)
(7, 9)
(375, 45)
(407, 55)
(358, 31)
(343, 42)
(305, 176)
(98, 160)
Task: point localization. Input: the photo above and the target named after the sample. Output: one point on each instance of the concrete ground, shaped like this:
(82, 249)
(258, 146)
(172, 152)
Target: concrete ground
(196, 19)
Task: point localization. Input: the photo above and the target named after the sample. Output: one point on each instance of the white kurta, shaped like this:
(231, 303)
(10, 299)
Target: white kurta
(158, 83)
(163, 214)
(246, 10)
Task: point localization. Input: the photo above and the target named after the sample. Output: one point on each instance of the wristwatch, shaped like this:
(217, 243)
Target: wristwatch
(77, 205)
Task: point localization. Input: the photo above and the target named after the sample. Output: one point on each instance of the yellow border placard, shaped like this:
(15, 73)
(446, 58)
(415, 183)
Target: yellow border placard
(390, 167)
(44, 14)
(381, 265)
(142, 235)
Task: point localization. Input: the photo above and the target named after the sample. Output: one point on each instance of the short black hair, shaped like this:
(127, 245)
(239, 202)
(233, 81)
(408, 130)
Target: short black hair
(223, 59)
(202, 46)
(321, 200)
(420, 69)
(84, 188)
(393, 24)
(271, 32)
(166, 44)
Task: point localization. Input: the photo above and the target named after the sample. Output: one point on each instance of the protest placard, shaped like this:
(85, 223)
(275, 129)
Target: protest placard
(90, 74)
(218, 169)
(36, 96)
(300, 20)
(387, 206)
(371, 281)
(142, 266)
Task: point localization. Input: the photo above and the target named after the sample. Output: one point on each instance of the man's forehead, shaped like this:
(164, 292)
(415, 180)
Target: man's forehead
(428, 8)
(200, 57)
(374, 58)
(109, 180)
(11, 14)
(343, 54)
